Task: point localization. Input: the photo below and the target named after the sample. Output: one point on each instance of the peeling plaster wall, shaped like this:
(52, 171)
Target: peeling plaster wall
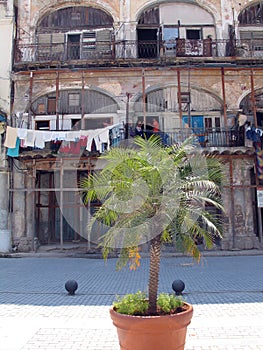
(240, 231)
(118, 84)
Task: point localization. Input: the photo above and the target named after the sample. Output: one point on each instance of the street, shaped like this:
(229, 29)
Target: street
(36, 311)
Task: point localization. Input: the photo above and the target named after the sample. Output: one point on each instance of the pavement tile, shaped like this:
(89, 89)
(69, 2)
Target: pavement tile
(36, 313)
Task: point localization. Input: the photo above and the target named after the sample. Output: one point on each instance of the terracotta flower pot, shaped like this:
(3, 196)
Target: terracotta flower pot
(152, 332)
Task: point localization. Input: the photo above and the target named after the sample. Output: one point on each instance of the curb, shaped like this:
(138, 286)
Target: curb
(66, 254)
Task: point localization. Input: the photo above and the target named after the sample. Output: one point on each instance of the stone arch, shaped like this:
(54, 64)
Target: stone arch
(74, 33)
(167, 99)
(164, 26)
(39, 15)
(207, 6)
(251, 14)
(79, 17)
(250, 21)
(95, 101)
(247, 106)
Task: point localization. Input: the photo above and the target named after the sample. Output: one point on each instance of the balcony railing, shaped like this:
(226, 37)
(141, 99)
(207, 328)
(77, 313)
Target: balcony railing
(205, 138)
(127, 49)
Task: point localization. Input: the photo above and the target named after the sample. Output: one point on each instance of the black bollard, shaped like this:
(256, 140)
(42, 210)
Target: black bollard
(178, 286)
(71, 286)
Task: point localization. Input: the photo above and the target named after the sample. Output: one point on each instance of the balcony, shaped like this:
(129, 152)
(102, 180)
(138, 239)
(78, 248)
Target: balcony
(219, 138)
(135, 51)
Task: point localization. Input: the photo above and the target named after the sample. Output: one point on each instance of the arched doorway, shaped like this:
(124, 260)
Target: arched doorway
(247, 106)
(250, 22)
(168, 28)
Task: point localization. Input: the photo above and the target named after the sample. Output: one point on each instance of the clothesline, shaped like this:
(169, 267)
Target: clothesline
(17, 137)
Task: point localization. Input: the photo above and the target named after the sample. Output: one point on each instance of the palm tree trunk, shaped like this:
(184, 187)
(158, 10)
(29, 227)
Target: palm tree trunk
(155, 255)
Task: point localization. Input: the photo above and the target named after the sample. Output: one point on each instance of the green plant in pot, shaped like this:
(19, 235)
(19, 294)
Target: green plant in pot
(154, 194)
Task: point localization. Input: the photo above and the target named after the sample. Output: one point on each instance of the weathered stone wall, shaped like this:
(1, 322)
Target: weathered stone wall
(239, 202)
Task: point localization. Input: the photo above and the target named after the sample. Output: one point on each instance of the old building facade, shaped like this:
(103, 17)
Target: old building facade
(6, 44)
(84, 72)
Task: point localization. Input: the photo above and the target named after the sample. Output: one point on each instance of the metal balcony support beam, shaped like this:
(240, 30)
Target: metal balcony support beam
(253, 97)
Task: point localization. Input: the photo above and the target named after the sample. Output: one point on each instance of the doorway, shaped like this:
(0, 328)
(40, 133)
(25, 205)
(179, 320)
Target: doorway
(196, 126)
(73, 46)
(147, 43)
(59, 212)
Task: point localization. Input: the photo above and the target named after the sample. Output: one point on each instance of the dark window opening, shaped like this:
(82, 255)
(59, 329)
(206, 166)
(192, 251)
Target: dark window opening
(147, 43)
(260, 118)
(76, 124)
(208, 123)
(74, 46)
(217, 123)
(193, 34)
(42, 125)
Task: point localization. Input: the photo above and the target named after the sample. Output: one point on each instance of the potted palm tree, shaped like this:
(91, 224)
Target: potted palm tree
(154, 194)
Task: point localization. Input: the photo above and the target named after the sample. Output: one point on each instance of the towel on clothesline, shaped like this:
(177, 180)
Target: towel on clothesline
(11, 136)
(14, 151)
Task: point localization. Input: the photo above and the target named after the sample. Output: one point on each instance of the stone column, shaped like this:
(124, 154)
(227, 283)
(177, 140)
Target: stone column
(126, 35)
(19, 212)
(5, 233)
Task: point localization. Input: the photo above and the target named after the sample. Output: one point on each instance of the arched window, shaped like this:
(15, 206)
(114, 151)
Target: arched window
(252, 15)
(74, 18)
(74, 33)
(251, 31)
(74, 102)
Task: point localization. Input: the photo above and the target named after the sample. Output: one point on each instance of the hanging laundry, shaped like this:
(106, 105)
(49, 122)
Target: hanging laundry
(39, 139)
(83, 141)
(74, 148)
(259, 163)
(11, 136)
(65, 147)
(70, 147)
(30, 138)
(94, 140)
(14, 152)
(22, 133)
(104, 139)
(72, 135)
(242, 118)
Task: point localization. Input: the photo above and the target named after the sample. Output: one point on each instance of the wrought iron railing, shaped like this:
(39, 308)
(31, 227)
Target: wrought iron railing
(128, 49)
(61, 52)
(222, 137)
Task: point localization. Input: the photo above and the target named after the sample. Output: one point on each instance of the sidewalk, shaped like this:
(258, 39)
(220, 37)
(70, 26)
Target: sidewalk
(37, 313)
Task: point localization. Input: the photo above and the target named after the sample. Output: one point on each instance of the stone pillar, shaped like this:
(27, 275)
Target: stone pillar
(240, 226)
(5, 233)
(245, 225)
(126, 34)
(19, 212)
(30, 212)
